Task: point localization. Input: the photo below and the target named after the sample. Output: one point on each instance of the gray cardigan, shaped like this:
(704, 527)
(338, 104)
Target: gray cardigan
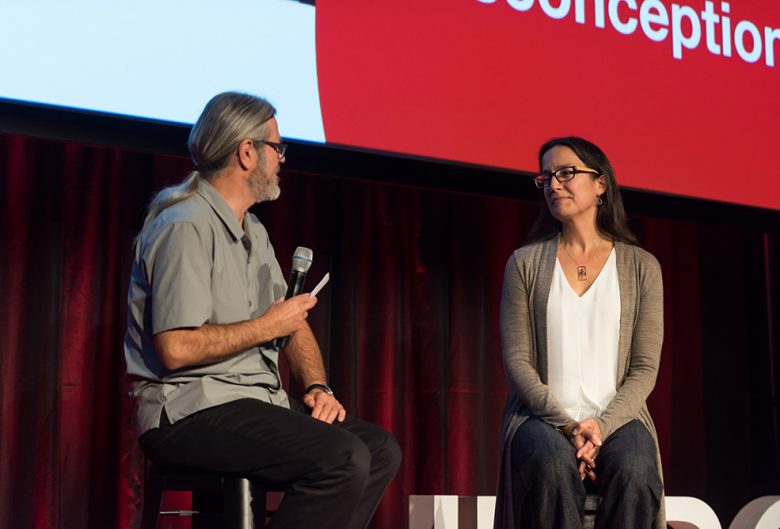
(527, 281)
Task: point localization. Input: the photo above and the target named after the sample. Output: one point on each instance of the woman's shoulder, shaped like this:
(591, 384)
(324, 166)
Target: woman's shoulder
(640, 254)
(645, 261)
(532, 251)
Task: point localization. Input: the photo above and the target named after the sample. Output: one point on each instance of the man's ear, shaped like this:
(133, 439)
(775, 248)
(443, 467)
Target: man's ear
(247, 154)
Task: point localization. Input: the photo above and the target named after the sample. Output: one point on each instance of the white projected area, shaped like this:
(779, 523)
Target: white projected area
(162, 59)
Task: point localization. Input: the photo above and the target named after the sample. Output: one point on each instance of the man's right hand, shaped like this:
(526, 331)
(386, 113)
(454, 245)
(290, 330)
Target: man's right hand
(285, 317)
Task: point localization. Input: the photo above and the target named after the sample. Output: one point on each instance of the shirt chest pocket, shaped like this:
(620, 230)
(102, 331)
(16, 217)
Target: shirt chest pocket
(231, 291)
(263, 285)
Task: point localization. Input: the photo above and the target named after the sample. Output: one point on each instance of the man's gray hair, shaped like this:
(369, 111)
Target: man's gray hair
(227, 120)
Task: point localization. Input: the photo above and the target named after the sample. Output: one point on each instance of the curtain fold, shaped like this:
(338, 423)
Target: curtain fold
(408, 326)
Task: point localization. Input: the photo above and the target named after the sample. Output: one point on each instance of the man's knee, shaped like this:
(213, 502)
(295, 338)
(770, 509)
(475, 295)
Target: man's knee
(387, 454)
(348, 461)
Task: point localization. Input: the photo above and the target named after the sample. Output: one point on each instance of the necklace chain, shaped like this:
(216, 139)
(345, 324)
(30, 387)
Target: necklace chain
(582, 270)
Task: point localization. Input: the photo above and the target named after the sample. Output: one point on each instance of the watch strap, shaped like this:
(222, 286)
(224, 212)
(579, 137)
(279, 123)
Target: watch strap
(323, 387)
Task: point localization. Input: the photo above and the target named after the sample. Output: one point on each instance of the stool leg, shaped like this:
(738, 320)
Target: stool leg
(153, 491)
(210, 508)
(259, 505)
(237, 502)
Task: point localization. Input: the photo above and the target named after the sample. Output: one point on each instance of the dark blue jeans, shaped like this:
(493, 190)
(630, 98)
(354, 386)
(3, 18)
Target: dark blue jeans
(550, 495)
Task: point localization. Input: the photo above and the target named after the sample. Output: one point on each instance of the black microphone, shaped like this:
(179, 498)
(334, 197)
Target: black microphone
(301, 261)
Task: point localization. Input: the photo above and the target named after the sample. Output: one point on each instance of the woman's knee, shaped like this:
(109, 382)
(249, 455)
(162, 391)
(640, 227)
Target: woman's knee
(546, 465)
(541, 448)
(640, 473)
(629, 459)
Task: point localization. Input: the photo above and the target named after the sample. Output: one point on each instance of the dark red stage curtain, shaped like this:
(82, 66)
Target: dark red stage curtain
(409, 326)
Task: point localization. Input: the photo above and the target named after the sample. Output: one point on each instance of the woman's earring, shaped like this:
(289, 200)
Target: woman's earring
(599, 202)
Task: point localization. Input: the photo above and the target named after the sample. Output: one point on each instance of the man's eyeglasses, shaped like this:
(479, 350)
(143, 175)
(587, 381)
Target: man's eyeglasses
(563, 174)
(280, 148)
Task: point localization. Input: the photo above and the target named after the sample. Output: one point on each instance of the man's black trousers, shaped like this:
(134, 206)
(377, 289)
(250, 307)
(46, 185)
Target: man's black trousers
(332, 475)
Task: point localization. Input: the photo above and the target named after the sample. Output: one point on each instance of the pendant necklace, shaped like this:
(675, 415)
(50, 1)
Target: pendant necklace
(582, 270)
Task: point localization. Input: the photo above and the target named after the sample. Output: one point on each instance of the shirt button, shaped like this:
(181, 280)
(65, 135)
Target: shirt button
(250, 303)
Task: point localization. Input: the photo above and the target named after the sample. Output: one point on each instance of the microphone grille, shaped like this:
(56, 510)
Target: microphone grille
(302, 259)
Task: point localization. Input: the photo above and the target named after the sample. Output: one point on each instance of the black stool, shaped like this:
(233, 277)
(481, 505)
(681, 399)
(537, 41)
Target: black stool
(218, 500)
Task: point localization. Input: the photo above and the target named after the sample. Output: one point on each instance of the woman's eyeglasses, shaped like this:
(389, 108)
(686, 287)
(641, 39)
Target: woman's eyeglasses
(563, 174)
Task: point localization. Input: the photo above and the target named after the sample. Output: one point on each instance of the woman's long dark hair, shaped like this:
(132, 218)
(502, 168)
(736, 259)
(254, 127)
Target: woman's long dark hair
(611, 217)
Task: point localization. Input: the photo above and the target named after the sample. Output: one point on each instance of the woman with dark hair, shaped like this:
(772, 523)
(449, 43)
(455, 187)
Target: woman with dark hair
(581, 333)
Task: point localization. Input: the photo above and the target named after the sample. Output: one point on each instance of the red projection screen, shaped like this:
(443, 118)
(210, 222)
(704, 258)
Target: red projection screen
(683, 97)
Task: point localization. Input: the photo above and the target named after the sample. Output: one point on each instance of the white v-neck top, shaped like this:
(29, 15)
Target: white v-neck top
(582, 341)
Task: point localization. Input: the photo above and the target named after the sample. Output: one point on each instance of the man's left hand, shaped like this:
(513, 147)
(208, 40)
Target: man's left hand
(324, 407)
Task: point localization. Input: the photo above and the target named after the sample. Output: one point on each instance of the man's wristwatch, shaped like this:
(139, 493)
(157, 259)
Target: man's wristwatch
(323, 387)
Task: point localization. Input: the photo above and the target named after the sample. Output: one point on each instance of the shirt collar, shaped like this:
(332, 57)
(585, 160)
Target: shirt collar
(221, 208)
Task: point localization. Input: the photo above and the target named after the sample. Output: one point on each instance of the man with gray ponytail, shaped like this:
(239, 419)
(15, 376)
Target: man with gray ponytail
(205, 304)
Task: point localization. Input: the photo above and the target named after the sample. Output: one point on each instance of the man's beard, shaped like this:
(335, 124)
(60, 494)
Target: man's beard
(264, 187)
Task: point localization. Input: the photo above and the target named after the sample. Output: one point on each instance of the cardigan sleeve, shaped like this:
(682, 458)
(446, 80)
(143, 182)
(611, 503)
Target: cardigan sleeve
(517, 339)
(645, 353)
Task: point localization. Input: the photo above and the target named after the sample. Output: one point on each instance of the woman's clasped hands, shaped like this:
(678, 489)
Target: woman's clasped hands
(586, 438)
